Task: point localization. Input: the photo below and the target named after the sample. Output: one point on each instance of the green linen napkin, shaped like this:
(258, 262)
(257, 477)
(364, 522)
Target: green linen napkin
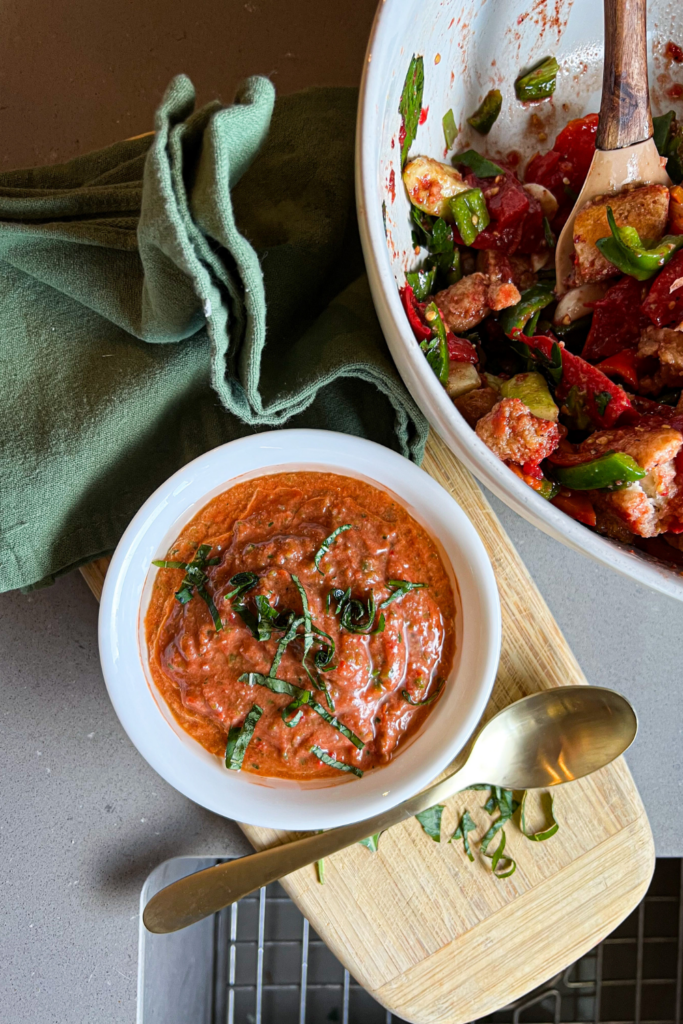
(174, 292)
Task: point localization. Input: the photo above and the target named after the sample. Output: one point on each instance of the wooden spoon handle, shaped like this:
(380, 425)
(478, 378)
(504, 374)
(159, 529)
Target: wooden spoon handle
(625, 117)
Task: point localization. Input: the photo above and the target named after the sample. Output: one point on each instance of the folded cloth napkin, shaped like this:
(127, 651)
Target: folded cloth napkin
(174, 292)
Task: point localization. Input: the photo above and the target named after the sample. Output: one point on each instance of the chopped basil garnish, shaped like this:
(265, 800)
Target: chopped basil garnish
(550, 239)
(282, 686)
(410, 106)
(602, 400)
(399, 589)
(422, 283)
(195, 580)
(431, 821)
(239, 739)
(242, 582)
(308, 633)
(340, 596)
(543, 834)
(450, 131)
(426, 700)
(502, 867)
(357, 619)
(283, 644)
(325, 546)
(295, 709)
(326, 758)
(478, 164)
(465, 826)
(372, 842)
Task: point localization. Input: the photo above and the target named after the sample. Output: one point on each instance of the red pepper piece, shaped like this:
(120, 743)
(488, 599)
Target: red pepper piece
(576, 504)
(664, 306)
(568, 161)
(617, 320)
(623, 365)
(414, 312)
(590, 381)
(460, 350)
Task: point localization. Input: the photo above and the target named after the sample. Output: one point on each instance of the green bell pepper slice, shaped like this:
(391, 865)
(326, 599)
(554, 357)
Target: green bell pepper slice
(626, 251)
(532, 301)
(436, 347)
(613, 470)
(470, 213)
(486, 114)
(539, 82)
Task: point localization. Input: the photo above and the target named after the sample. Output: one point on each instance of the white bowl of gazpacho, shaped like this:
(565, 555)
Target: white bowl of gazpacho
(299, 629)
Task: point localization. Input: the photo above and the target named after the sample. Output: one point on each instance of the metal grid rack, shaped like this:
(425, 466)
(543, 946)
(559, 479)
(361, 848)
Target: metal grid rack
(260, 962)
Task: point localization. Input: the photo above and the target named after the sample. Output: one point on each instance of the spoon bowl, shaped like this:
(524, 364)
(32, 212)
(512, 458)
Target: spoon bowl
(545, 739)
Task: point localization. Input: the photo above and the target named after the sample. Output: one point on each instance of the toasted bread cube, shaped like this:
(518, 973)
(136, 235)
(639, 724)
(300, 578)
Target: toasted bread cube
(430, 184)
(645, 208)
(462, 377)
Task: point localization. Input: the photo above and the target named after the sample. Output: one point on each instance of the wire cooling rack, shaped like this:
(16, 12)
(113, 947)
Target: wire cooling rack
(260, 962)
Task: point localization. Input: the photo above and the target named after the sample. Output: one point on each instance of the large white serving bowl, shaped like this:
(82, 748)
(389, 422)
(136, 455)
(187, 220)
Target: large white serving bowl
(469, 47)
(183, 762)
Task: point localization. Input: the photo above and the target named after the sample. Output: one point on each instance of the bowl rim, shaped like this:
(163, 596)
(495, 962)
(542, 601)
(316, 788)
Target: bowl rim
(178, 758)
(417, 375)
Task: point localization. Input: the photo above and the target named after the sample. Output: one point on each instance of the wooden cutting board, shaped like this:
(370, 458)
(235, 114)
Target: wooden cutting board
(435, 938)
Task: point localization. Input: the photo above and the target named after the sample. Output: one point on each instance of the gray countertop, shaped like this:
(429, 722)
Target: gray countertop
(85, 819)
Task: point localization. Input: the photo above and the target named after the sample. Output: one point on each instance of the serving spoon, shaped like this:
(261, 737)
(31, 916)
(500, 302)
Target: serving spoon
(545, 739)
(625, 150)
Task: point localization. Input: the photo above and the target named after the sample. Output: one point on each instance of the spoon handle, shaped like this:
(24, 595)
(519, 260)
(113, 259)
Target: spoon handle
(625, 117)
(197, 896)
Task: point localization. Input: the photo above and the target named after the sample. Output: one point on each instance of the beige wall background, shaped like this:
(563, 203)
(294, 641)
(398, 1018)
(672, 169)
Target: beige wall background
(76, 75)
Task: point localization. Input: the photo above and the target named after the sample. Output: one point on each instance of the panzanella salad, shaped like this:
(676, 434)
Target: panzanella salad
(580, 396)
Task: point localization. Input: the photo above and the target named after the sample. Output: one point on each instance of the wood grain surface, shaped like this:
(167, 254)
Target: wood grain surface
(625, 117)
(435, 938)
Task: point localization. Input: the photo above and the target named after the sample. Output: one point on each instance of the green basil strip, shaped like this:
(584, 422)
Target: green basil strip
(171, 565)
(602, 400)
(426, 700)
(431, 821)
(354, 613)
(422, 283)
(340, 596)
(308, 634)
(543, 834)
(400, 589)
(498, 824)
(478, 164)
(238, 740)
(550, 239)
(372, 842)
(507, 864)
(283, 644)
(465, 825)
(242, 582)
(325, 546)
(410, 105)
(248, 618)
(320, 869)
(336, 724)
(272, 683)
(296, 708)
(208, 601)
(326, 758)
(450, 130)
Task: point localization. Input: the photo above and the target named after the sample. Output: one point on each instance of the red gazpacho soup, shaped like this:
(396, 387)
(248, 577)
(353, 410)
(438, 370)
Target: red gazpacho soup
(302, 626)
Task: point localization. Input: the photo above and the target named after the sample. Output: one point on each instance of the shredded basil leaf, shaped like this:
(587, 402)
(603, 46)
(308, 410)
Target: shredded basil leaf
(543, 834)
(283, 645)
(550, 239)
(340, 765)
(372, 842)
(308, 634)
(195, 580)
(171, 565)
(239, 739)
(242, 582)
(325, 546)
(507, 864)
(602, 400)
(465, 825)
(336, 724)
(426, 700)
(410, 106)
(431, 821)
(400, 588)
(356, 619)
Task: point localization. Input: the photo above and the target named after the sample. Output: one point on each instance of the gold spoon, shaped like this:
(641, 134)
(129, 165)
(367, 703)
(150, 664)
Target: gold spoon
(545, 739)
(625, 150)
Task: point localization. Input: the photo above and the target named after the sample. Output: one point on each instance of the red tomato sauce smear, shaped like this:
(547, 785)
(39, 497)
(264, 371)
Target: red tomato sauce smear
(273, 527)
